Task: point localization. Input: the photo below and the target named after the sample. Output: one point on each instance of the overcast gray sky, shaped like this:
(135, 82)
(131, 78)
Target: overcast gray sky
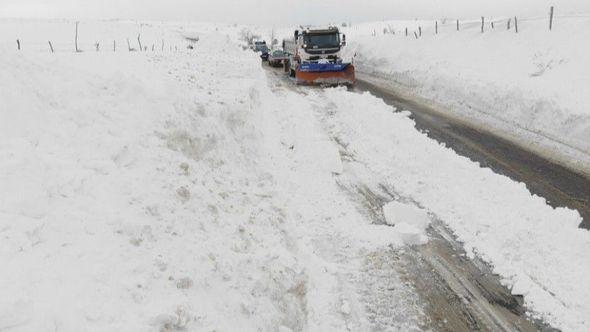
(283, 11)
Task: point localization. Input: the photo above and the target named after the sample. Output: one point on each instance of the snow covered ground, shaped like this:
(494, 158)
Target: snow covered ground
(163, 191)
(530, 87)
(188, 190)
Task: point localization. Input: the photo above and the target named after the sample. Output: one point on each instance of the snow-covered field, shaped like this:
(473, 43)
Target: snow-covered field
(188, 190)
(530, 87)
(164, 191)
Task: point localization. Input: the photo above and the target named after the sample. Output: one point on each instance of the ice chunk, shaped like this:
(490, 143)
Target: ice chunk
(409, 220)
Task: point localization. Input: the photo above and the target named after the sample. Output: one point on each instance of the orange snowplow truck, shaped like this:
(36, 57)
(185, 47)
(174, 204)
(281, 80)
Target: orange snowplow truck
(314, 57)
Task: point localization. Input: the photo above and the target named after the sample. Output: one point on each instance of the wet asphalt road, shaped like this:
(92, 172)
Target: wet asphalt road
(559, 185)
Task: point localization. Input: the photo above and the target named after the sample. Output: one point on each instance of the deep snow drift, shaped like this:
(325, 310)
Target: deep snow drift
(530, 87)
(172, 190)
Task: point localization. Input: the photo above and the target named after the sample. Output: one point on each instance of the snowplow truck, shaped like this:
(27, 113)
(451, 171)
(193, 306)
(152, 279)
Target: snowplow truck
(314, 57)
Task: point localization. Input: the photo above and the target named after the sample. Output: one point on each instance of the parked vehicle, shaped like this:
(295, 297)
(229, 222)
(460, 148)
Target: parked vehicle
(315, 57)
(259, 46)
(277, 58)
(264, 55)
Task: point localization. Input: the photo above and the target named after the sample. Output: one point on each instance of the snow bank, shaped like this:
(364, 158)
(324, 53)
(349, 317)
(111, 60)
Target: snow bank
(163, 191)
(531, 87)
(538, 250)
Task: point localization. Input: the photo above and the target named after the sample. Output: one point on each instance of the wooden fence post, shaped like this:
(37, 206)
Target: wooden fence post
(406, 31)
(18, 44)
(551, 18)
(415, 35)
(492, 25)
(457, 25)
(515, 24)
(97, 45)
(50, 46)
(76, 40)
(482, 23)
(162, 45)
(114, 46)
(420, 31)
(128, 45)
(508, 25)
(436, 28)
(139, 42)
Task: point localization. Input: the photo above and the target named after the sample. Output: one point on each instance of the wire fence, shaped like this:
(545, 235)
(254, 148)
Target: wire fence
(112, 46)
(516, 24)
(33, 41)
(415, 29)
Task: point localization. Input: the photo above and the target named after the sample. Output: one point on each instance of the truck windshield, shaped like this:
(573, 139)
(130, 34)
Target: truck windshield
(331, 40)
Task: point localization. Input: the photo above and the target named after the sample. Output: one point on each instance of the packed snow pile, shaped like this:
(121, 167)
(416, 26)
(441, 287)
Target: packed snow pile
(530, 87)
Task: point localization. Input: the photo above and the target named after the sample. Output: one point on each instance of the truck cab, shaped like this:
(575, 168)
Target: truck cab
(319, 44)
(314, 45)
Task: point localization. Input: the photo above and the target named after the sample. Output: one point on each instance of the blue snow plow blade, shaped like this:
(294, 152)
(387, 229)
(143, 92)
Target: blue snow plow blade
(322, 67)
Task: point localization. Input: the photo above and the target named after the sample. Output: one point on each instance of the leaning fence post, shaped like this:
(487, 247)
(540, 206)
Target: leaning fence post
(18, 44)
(139, 41)
(551, 18)
(420, 31)
(50, 46)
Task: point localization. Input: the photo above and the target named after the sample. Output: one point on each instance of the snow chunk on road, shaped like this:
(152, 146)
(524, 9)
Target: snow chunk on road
(408, 220)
